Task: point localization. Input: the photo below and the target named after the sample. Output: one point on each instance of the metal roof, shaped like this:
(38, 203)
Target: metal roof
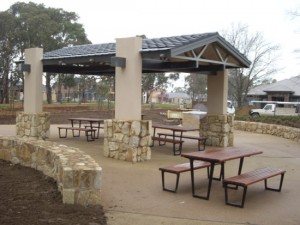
(207, 52)
(178, 95)
(291, 85)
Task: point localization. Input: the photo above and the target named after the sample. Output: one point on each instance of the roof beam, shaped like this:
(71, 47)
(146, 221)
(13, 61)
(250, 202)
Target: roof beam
(188, 66)
(88, 70)
(78, 60)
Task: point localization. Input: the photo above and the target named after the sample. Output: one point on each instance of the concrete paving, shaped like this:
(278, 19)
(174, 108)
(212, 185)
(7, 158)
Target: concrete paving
(132, 193)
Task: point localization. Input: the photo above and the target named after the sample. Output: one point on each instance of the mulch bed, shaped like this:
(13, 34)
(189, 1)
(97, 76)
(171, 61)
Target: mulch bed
(27, 196)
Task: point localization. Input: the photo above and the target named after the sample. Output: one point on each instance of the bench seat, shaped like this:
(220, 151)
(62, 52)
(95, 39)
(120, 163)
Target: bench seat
(246, 179)
(162, 141)
(180, 168)
(201, 140)
(98, 127)
(89, 133)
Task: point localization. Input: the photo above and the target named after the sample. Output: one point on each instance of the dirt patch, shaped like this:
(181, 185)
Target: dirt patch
(29, 197)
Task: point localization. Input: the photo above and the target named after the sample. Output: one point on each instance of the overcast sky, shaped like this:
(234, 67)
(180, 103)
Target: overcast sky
(106, 20)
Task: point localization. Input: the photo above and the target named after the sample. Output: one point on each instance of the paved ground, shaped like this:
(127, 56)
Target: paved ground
(132, 193)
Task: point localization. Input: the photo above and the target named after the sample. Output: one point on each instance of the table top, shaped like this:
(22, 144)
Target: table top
(174, 127)
(220, 155)
(87, 119)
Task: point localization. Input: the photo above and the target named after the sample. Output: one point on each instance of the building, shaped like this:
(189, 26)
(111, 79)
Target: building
(179, 98)
(287, 90)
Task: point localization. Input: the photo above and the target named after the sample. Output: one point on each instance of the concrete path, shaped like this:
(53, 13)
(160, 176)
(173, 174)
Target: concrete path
(132, 193)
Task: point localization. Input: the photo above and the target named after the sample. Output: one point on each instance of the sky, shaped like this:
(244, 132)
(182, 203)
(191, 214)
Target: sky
(104, 21)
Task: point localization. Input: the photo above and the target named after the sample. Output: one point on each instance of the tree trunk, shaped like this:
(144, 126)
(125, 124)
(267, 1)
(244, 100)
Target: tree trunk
(5, 93)
(48, 88)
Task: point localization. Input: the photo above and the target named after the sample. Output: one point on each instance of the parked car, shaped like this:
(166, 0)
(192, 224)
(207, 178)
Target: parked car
(230, 107)
(272, 109)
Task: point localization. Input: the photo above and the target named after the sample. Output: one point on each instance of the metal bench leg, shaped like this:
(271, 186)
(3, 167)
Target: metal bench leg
(60, 133)
(177, 151)
(98, 130)
(160, 143)
(74, 135)
(275, 189)
(199, 145)
(163, 182)
(227, 202)
(90, 135)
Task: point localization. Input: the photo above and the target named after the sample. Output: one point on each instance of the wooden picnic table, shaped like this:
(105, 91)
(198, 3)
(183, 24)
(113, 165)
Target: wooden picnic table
(176, 135)
(218, 156)
(93, 123)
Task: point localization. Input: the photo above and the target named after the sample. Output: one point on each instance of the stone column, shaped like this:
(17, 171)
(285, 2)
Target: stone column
(217, 126)
(33, 122)
(218, 129)
(127, 140)
(127, 137)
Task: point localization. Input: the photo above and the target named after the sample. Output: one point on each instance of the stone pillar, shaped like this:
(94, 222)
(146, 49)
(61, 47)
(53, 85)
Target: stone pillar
(36, 125)
(127, 140)
(217, 126)
(218, 129)
(129, 80)
(33, 122)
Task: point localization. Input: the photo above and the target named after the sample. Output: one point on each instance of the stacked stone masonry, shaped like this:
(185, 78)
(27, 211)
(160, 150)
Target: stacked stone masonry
(33, 125)
(218, 129)
(78, 176)
(127, 140)
(272, 129)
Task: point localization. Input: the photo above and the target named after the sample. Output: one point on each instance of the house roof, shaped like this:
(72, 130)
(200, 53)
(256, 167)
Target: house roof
(207, 52)
(178, 95)
(291, 85)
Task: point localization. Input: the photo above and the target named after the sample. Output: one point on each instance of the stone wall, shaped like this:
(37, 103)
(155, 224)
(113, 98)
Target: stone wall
(33, 125)
(218, 129)
(127, 140)
(78, 176)
(272, 129)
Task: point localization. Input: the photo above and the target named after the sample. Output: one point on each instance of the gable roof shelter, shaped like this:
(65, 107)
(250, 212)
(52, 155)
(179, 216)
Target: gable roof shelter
(205, 53)
(128, 58)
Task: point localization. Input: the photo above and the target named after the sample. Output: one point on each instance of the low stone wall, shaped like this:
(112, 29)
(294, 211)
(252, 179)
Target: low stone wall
(78, 176)
(127, 140)
(272, 129)
(33, 125)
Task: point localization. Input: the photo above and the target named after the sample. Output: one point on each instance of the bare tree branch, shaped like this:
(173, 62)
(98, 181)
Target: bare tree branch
(260, 52)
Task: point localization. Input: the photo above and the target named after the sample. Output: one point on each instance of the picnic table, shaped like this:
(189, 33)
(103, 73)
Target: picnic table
(218, 156)
(93, 125)
(175, 137)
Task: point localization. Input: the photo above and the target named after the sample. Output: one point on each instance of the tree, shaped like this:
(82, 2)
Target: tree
(196, 85)
(105, 91)
(48, 28)
(260, 52)
(7, 53)
(156, 81)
